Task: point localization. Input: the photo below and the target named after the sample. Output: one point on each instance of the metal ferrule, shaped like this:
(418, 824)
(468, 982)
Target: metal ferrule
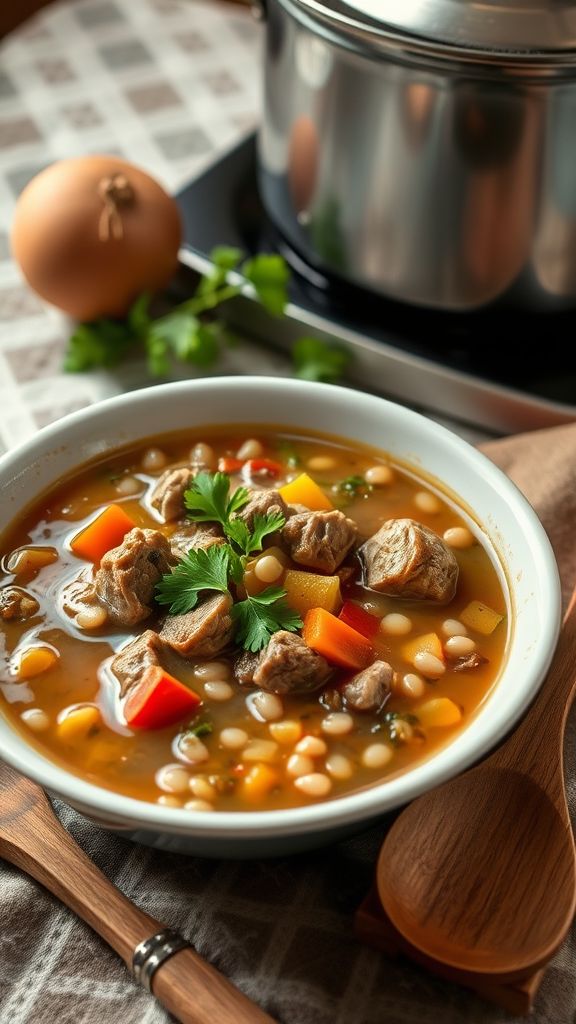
(151, 953)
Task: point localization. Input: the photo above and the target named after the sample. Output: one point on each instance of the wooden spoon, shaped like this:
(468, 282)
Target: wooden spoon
(480, 874)
(32, 838)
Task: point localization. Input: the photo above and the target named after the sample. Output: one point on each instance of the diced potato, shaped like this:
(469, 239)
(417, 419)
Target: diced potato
(480, 617)
(305, 491)
(36, 660)
(28, 560)
(305, 590)
(286, 732)
(438, 713)
(429, 642)
(256, 785)
(76, 723)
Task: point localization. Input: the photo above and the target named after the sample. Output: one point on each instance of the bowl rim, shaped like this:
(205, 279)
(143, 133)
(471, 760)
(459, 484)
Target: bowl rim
(364, 804)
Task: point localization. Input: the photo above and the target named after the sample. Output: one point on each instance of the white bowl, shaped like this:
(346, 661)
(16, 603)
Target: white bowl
(519, 546)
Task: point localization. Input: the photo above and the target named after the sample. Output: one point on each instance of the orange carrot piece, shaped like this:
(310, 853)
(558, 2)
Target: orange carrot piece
(335, 640)
(103, 533)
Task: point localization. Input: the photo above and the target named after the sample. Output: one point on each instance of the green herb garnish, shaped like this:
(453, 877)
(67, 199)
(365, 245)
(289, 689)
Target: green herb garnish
(319, 360)
(200, 729)
(208, 499)
(353, 486)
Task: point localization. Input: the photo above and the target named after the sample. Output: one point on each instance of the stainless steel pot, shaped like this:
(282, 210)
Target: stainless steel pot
(426, 149)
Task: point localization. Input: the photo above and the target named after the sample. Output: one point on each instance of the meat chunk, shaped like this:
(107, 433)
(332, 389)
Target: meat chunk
(406, 559)
(128, 575)
(467, 662)
(260, 503)
(287, 665)
(320, 540)
(130, 665)
(245, 667)
(369, 690)
(195, 535)
(204, 631)
(168, 495)
(17, 604)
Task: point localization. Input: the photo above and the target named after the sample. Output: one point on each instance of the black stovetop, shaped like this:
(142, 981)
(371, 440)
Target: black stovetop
(532, 352)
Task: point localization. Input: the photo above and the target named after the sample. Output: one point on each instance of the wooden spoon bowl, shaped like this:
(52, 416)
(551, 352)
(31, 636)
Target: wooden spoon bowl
(480, 874)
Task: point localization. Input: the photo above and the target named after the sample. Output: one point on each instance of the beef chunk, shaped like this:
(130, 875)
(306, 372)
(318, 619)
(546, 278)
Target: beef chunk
(406, 559)
(17, 604)
(204, 631)
(245, 667)
(320, 540)
(262, 502)
(368, 690)
(195, 535)
(467, 662)
(131, 664)
(287, 665)
(168, 495)
(128, 575)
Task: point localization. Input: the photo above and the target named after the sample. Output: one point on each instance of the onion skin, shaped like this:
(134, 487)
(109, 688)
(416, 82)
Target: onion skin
(84, 251)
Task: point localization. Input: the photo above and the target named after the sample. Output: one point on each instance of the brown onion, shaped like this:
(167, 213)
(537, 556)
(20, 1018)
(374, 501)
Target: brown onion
(93, 232)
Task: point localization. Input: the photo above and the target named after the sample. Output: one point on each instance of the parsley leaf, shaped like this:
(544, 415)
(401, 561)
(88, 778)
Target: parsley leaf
(269, 275)
(318, 360)
(202, 728)
(261, 615)
(207, 498)
(200, 569)
(103, 343)
(263, 526)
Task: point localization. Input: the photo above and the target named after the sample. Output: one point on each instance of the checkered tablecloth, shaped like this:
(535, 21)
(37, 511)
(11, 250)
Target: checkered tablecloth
(168, 84)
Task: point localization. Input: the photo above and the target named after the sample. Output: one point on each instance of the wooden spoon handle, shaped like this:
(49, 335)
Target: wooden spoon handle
(536, 744)
(188, 987)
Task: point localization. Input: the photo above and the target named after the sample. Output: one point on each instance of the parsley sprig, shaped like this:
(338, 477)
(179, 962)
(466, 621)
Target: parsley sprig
(258, 616)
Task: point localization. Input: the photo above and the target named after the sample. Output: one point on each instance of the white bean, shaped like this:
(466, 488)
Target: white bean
(379, 476)
(251, 449)
(452, 627)
(191, 749)
(314, 785)
(218, 690)
(35, 719)
(459, 646)
(338, 723)
(168, 801)
(321, 463)
(396, 624)
(172, 778)
(268, 569)
(459, 537)
(313, 746)
(377, 755)
(91, 618)
(427, 502)
(339, 766)
(412, 685)
(429, 665)
(202, 789)
(298, 764)
(203, 455)
(153, 459)
(211, 671)
(128, 485)
(268, 705)
(198, 805)
(233, 738)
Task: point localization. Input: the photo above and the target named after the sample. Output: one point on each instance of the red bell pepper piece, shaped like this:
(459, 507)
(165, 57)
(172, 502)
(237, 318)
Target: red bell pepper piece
(158, 700)
(228, 464)
(360, 620)
(263, 467)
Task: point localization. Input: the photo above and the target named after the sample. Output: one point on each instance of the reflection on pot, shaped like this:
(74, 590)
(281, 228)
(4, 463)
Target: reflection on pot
(555, 244)
(303, 154)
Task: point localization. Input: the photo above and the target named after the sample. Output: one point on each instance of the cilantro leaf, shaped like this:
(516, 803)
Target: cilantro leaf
(182, 334)
(200, 569)
(202, 728)
(318, 360)
(269, 276)
(238, 532)
(139, 318)
(261, 615)
(263, 526)
(103, 343)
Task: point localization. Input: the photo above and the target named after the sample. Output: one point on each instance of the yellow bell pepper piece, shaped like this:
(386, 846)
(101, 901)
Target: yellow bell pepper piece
(429, 642)
(438, 713)
(36, 660)
(305, 590)
(258, 782)
(479, 617)
(305, 491)
(77, 723)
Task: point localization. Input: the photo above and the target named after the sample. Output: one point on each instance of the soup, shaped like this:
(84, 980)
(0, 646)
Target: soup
(245, 620)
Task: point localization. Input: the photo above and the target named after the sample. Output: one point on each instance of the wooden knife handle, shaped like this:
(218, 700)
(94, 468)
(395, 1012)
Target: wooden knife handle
(32, 838)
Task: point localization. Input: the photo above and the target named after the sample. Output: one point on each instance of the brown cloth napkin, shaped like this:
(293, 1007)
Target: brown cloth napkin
(280, 929)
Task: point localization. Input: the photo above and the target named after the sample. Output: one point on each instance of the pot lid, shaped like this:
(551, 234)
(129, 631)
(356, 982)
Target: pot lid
(500, 26)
